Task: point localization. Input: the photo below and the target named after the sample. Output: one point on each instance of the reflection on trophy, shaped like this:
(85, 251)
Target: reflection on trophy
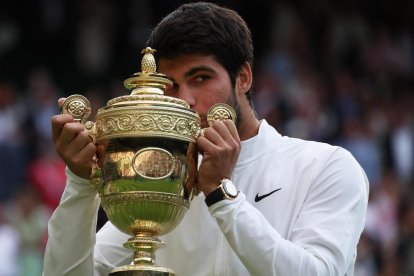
(145, 170)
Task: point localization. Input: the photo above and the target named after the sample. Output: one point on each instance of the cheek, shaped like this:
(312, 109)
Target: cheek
(210, 98)
(219, 93)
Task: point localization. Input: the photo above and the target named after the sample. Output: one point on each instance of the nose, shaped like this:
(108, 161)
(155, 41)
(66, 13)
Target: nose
(184, 93)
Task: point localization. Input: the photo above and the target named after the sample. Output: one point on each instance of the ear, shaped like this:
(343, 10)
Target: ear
(244, 79)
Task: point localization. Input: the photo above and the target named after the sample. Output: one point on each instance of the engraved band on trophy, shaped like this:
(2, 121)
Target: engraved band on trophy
(145, 170)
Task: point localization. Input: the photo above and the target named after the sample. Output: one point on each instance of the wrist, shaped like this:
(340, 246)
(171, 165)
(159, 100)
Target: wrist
(226, 190)
(208, 190)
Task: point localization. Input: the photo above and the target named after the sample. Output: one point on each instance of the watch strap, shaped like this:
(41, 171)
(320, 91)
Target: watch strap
(215, 196)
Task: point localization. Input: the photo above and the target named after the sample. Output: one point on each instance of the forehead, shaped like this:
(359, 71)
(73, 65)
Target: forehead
(185, 63)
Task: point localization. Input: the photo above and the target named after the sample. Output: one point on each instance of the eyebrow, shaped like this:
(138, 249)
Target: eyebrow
(197, 69)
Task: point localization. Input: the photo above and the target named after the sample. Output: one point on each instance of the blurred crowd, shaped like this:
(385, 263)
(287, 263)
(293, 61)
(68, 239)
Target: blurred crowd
(338, 73)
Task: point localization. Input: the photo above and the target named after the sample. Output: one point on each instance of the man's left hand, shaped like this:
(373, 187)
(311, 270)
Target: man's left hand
(220, 147)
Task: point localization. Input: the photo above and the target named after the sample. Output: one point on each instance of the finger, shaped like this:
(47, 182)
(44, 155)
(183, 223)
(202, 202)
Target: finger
(204, 145)
(223, 131)
(86, 154)
(78, 144)
(58, 122)
(69, 132)
(213, 136)
(61, 101)
(232, 129)
(81, 163)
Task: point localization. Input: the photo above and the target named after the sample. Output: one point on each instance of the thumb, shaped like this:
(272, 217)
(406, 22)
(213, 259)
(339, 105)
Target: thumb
(60, 102)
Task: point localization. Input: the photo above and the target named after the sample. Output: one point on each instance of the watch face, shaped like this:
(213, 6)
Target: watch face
(230, 189)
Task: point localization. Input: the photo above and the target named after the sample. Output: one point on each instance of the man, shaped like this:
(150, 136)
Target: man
(301, 205)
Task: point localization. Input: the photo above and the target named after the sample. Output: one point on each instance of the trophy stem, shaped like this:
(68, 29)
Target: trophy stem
(144, 245)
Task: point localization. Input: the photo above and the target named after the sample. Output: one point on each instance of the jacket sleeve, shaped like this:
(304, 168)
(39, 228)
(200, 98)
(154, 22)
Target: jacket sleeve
(71, 230)
(323, 237)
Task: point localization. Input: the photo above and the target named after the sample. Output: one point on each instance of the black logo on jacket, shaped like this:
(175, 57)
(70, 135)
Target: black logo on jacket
(258, 198)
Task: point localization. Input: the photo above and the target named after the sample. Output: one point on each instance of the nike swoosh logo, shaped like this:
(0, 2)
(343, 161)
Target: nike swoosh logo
(258, 198)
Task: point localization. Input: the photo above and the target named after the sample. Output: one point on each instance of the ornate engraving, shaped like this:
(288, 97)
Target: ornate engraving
(120, 198)
(220, 112)
(78, 106)
(135, 122)
(150, 98)
(153, 163)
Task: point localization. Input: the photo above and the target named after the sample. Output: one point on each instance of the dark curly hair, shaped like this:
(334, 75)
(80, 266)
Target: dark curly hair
(205, 28)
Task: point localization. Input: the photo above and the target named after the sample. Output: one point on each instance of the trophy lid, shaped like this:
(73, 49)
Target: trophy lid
(147, 112)
(148, 86)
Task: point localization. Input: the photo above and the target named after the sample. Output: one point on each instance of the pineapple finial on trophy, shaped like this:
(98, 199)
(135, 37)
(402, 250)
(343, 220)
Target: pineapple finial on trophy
(148, 81)
(148, 64)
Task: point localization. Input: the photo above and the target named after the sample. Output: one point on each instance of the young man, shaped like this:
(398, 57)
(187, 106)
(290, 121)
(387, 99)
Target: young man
(301, 206)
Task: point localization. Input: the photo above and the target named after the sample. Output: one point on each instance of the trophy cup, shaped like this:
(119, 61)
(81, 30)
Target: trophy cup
(145, 169)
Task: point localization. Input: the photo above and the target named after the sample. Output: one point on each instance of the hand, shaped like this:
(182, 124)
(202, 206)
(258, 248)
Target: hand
(220, 147)
(73, 143)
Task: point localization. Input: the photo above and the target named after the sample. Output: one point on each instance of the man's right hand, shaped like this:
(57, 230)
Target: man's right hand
(73, 143)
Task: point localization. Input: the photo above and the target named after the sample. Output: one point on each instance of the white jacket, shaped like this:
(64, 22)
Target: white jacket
(309, 225)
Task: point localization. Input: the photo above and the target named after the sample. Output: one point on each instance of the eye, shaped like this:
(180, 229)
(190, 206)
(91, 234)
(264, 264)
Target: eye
(172, 89)
(201, 78)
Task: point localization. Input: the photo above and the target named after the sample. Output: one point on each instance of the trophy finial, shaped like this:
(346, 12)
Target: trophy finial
(148, 81)
(148, 61)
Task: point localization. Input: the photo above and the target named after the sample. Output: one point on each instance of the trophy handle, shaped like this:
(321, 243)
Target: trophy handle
(80, 108)
(220, 112)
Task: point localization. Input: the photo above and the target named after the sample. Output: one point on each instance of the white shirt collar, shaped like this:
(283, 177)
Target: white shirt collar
(255, 147)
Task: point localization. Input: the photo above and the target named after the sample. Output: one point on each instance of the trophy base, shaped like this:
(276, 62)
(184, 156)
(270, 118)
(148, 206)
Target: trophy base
(141, 270)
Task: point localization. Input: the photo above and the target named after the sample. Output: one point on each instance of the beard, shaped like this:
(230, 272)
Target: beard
(234, 103)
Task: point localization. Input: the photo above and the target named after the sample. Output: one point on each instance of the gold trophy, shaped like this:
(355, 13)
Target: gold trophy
(146, 166)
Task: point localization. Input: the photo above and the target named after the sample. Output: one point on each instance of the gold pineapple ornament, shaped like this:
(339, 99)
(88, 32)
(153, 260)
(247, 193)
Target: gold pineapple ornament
(148, 64)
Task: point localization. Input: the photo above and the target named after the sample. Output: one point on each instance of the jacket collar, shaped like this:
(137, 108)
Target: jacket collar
(258, 145)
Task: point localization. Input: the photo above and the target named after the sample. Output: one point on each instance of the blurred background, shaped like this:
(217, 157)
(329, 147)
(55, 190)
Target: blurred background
(333, 71)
